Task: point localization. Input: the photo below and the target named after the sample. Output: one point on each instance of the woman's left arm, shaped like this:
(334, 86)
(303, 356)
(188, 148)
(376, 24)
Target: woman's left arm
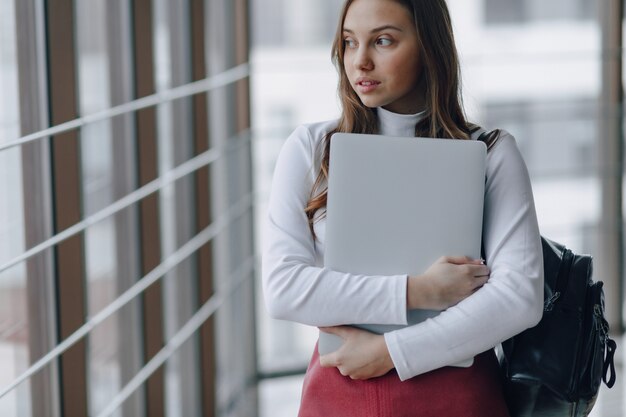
(510, 302)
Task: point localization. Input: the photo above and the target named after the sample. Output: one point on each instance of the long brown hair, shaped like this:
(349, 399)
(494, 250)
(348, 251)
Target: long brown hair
(444, 116)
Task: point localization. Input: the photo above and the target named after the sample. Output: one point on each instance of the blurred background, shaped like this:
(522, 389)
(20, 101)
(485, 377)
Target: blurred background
(137, 145)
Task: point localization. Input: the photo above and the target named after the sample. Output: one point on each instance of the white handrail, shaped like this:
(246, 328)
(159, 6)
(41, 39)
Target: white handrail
(208, 233)
(192, 325)
(169, 177)
(211, 83)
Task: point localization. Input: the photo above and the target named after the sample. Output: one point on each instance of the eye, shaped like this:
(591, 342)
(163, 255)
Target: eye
(349, 43)
(384, 41)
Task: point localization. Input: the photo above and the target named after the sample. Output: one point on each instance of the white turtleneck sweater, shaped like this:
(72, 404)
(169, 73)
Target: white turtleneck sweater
(297, 287)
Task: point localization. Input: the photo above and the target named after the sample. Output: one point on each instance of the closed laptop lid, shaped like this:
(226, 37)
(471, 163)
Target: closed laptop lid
(396, 204)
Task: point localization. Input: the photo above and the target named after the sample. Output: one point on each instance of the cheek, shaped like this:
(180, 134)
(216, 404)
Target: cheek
(347, 65)
(408, 71)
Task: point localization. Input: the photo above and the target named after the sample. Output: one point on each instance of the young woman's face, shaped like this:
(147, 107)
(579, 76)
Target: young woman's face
(381, 57)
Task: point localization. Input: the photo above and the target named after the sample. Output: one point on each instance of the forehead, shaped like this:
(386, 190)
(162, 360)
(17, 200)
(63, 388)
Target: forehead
(364, 14)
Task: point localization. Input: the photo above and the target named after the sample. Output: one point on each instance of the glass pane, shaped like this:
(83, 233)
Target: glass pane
(232, 248)
(14, 324)
(512, 11)
(14, 337)
(284, 63)
(541, 83)
(177, 215)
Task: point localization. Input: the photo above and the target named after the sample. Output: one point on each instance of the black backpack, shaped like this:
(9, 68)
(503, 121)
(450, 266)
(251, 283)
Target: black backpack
(556, 367)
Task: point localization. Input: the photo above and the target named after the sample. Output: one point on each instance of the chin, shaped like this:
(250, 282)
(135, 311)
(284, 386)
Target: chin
(368, 102)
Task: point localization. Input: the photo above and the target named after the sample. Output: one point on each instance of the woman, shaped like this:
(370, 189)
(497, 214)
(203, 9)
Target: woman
(399, 76)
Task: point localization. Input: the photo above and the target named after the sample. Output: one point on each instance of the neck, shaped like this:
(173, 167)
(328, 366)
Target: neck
(396, 124)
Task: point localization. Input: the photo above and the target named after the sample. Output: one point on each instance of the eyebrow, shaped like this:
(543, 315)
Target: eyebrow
(378, 29)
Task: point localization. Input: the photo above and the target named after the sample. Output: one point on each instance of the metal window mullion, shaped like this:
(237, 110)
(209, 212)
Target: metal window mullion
(66, 168)
(240, 398)
(36, 191)
(611, 249)
(244, 161)
(242, 52)
(218, 31)
(118, 23)
(150, 231)
(180, 285)
(204, 257)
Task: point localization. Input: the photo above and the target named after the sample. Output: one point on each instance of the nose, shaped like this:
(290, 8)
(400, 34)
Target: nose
(363, 60)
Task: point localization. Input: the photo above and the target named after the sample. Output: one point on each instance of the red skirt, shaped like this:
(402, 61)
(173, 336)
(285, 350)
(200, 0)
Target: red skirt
(446, 392)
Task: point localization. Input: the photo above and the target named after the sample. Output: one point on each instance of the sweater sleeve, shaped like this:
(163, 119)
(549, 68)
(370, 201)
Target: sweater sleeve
(294, 287)
(510, 302)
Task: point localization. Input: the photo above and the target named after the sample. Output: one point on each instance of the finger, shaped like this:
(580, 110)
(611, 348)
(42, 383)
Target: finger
(475, 270)
(480, 281)
(341, 331)
(481, 271)
(457, 260)
(460, 260)
(478, 261)
(328, 361)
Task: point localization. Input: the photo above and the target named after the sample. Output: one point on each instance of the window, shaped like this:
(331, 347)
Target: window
(117, 211)
(544, 129)
(525, 11)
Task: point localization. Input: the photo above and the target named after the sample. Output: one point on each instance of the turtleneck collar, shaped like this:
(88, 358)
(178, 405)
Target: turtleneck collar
(395, 124)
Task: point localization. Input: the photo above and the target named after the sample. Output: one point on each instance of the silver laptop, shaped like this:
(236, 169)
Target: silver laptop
(395, 205)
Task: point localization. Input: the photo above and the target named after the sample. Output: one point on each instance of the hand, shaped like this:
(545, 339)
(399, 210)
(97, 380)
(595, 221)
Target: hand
(446, 282)
(363, 354)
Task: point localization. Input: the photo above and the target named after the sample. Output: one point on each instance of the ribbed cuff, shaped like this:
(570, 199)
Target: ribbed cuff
(399, 306)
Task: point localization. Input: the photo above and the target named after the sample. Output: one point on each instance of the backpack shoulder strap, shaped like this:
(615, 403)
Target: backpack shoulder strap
(490, 138)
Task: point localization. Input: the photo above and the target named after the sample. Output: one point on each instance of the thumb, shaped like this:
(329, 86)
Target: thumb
(329, 360)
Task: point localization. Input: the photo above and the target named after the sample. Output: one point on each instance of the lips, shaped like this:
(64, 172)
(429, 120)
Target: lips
(366, 85)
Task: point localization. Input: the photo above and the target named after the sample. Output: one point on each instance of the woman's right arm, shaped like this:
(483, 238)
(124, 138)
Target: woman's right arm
(294, 288)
